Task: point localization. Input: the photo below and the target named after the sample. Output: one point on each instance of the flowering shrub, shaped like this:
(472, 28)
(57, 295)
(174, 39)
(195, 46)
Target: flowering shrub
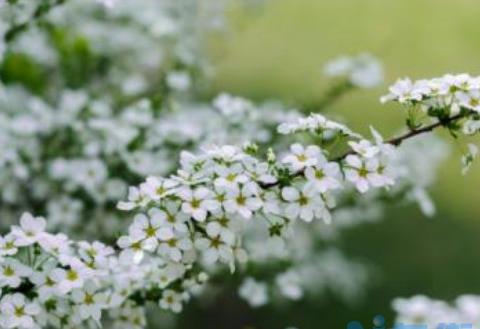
(187, 223)
(226, 184)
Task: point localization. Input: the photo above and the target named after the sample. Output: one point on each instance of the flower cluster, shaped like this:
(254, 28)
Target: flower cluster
(111, 97)
(187, 224)
(363, 71)
(48, 280)
(444, 98)
(316, 124)
(90, 153)
(328, 271)
(204, 214)
(425, 311)
(450, 93)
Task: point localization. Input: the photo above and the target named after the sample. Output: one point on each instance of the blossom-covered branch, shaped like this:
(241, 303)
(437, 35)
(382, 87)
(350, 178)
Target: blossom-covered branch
(195, 220)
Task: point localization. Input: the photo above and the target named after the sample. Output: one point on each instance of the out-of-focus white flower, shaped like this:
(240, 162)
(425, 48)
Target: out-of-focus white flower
(363, 71)
(30, 230)
(179, 80)
(12, 272)
(254, 292)
(467, 159)
(289, 285)
(171, 300)
(18, 312)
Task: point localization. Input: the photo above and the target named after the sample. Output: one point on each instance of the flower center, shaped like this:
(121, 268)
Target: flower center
(160, 190)
(9, 245)
(19, 311)
(171, 218)
(8, 271)
(241, 200)
(220, 197)
(136, 245)
(301, 157)
(215, 242)
(88, 300)
(49, 282)
(150, 231)
(223, 221)
(303, 200)
(72, 275)
(195, 203)
(231, 177)
(319, 174)
(363, 172)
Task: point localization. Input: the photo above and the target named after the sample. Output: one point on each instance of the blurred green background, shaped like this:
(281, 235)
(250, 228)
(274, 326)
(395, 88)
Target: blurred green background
(277, 49)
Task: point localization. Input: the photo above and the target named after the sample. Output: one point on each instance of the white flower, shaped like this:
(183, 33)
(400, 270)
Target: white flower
(234, 108)
(133, 248)
(96, 254)
(289, 285)
(108, 3)
(418, 309)
(89, 302)
(12, 272)
(171, 300)
(306, 204)
(17, 312)
(179, 80)
(216, 246)
(316, 123)
(198, 202)
(363, 70)
(471, 127)
(171, 217)
(243, 200)
(221, 229)
(470, 100)
(323, 176)
(135, 199)
(45, 283)
(302, 157)
(174, 247)
(462, 82)
(423, 200)
(363, 173)
(30, 230)
(149, 229)
(404, 90)
(467, 159)
(468, 307)
(129, 316)
(259, 172)
(230, 176)
(383, 148)
(364, 148)
(55, 244)
(270, 202)
(254, 292)
(8, 245)
(71, 278)
(157, 188)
